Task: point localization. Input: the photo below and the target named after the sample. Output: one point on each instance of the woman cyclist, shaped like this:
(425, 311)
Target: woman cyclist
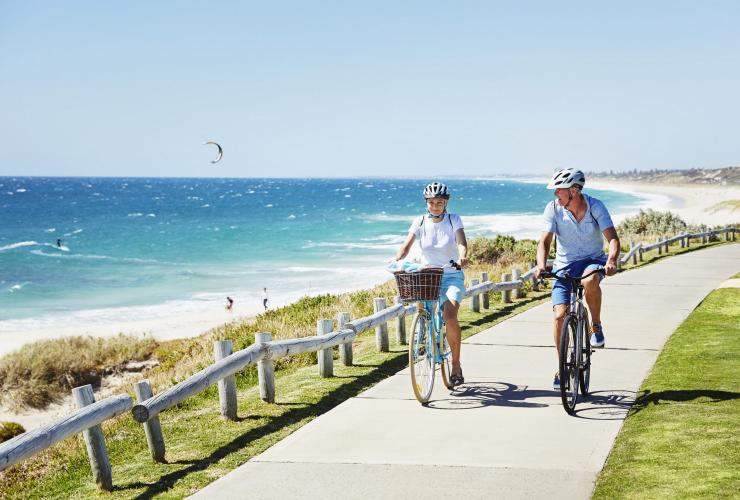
(442, 239)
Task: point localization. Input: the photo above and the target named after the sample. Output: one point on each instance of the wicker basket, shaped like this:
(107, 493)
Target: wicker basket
(421, 285)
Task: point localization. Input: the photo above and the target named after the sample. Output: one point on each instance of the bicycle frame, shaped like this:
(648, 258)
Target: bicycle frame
(436, 322)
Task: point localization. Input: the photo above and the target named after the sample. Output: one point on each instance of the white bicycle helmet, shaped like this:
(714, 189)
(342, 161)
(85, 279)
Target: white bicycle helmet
(566, 177)
(436, 190)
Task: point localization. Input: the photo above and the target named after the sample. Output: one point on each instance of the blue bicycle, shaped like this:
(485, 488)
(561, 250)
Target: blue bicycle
(428, 346)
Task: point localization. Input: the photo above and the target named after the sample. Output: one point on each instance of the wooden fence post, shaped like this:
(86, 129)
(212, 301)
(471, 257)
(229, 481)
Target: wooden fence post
(683, 241)
(326, 356)
(660, 247)
(486, 301)
(727, 233)
(506, 294)
(517, 293)
(634, 255)
(400, 326)
(265, 371)
(345, 350)
(97, 453)
(381, 331)
(475, 299)
(227, 385)
(688, 240)
(152, 427)
(667, 244)
(734, 230)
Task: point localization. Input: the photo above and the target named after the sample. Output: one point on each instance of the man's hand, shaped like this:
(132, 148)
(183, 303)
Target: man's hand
(610, 268)
(538, 271)
(463, 262)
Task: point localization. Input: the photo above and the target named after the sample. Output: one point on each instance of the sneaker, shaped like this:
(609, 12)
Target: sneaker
(556, 382)
(597, 337)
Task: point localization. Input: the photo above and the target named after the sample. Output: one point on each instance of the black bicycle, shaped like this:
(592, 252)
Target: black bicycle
(575, 350)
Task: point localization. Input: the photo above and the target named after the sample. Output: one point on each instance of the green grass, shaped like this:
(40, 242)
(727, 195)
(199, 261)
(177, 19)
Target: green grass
(681, 439)
(201, 446)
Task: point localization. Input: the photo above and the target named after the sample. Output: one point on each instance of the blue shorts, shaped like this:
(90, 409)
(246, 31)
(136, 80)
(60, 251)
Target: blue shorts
(561, 289)
(452, 287)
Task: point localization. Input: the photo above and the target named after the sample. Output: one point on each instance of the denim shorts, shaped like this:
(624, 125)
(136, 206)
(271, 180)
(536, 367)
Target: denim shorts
(561, 289)
(452, 287)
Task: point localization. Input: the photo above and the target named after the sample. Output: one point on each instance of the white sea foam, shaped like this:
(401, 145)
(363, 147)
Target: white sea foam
(19, 244)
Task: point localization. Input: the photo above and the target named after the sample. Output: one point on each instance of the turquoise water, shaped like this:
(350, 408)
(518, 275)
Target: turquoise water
(169, 245)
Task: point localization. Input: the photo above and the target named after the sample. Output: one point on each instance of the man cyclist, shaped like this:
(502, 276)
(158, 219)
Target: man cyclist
(578, 220)
(442, 239)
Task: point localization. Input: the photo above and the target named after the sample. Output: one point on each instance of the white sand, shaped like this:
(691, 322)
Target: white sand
(693, 203)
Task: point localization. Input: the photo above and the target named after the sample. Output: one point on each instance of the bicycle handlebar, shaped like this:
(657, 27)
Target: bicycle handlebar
(567, 276)
(455, 265)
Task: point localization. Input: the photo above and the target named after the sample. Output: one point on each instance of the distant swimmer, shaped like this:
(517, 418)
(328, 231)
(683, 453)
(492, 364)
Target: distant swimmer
(59, 243)
(229, 304)
(264, 298)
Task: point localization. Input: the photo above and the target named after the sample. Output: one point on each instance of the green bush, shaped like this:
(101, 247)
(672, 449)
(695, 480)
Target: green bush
(9, 430)
(501, 249)
(652, 222)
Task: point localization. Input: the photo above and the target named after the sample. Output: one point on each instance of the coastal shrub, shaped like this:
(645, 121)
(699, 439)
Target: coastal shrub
(502, 249)
(9, 430)
(652, 222)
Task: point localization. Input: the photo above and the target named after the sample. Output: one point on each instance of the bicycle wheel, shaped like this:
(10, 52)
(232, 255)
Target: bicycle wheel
(585, 371)
(569, 364)
(421, 358)
(445, 355)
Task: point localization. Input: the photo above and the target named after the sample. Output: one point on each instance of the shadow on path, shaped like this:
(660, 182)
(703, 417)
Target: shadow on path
(605, 405)
(481, 394)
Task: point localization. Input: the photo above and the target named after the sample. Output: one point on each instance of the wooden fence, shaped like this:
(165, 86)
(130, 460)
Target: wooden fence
(262, 353)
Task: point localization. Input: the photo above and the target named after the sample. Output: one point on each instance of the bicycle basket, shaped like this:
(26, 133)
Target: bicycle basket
(421, 285)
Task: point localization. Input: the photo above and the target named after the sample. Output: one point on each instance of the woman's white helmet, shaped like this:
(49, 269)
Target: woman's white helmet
(436, 190)
(566, 177)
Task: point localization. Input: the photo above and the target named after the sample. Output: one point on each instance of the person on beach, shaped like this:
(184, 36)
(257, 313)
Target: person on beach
(264, 298)
(229, 304)
(579, 221)
(442, 239)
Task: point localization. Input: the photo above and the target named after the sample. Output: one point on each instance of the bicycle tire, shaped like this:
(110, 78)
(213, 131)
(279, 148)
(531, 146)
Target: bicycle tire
(445, 354)
(568, 366)
(421, 358)
(585, 372)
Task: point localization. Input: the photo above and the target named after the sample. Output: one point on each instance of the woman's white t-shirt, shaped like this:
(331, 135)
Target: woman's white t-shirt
(437, 240)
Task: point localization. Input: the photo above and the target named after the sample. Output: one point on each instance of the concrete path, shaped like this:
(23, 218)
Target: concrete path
(504, 434)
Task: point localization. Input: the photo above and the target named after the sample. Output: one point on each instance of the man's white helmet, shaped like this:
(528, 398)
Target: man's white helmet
(566, 177)
(436, 190)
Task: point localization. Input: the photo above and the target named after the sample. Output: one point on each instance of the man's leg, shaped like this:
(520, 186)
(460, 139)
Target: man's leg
(560, 310)
(592, 289)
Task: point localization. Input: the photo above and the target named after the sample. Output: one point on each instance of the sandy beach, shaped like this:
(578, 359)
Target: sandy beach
(696, 204)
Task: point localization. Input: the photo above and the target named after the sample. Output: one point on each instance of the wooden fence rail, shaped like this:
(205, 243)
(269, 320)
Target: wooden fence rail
(31, 442)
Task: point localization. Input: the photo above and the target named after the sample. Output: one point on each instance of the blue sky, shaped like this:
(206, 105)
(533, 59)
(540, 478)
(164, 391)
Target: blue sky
(375, 88)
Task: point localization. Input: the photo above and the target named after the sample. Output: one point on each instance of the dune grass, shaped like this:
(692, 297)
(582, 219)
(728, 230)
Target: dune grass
(680, 439)
(43, 372)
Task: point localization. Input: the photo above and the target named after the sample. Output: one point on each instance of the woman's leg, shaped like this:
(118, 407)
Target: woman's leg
(453, 332)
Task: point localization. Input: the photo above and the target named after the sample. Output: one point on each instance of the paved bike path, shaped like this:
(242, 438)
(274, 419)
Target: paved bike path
(504, 433)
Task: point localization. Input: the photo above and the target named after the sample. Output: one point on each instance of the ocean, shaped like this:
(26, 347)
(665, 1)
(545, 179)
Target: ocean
(148, 248)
